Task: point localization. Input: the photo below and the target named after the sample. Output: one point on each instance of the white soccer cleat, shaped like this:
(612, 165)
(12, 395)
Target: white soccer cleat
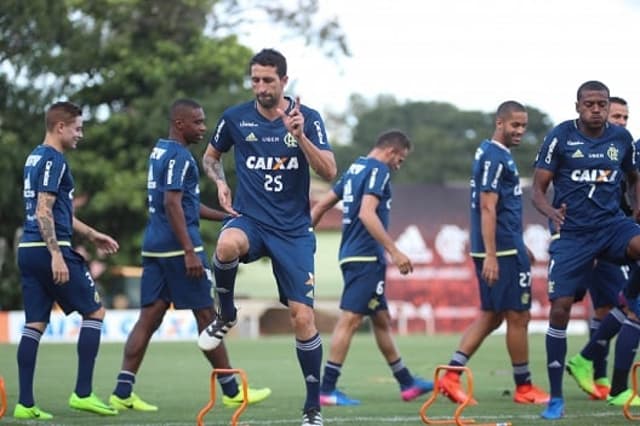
(212, 336)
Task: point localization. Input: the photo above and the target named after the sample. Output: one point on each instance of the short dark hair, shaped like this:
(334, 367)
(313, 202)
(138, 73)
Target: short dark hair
(617, 100)
(180, 105)
(270, 58)
(63, 111)
(592, 85)
(508, 107)
(395, 138)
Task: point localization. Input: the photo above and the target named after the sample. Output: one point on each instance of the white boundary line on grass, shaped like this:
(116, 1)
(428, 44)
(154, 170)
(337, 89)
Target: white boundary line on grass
(371, 420)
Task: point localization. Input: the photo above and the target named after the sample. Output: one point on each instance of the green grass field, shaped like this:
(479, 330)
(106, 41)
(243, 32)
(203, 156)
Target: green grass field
(175, 376)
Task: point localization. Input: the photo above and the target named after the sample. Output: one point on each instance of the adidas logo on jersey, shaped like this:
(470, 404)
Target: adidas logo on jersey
(577, 154)
(251, 137)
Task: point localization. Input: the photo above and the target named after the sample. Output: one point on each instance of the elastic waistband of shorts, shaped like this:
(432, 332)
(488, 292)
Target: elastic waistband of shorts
(42, 244)
(173, 253)
(511, 252)
(359, 259)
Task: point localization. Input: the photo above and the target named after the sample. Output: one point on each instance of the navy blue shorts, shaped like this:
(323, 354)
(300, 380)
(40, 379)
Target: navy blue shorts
(363, 291)
(165, 278)
(291, 258)
(605, 283)
(572, 255)
(39, 292)
(512, 291)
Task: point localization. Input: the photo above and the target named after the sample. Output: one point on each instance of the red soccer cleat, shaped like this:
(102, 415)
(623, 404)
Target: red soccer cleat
(530, 394)
(449, 385)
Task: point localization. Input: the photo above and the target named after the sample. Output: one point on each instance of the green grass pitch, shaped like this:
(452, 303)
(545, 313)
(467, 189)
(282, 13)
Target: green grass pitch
(175, 376)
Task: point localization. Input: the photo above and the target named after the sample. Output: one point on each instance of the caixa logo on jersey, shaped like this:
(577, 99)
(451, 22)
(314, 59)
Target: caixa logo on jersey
(272, 163)
(594, 175)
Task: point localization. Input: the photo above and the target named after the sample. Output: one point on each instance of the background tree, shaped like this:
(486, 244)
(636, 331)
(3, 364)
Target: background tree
(444, 137)
(124, 62)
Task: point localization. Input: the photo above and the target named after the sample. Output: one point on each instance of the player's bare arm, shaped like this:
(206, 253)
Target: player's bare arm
(175, 216)
(321, 161)
(46, 223)
(541, 180)
(371, 221)
(102, 241)
(488, 224)
(322, 206)
(212, 166)
(211, 214)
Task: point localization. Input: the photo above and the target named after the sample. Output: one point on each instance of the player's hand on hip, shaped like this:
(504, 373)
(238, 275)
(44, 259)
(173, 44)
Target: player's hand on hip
(294, 120)
(193, 264)
(59, 269)
(490, 270)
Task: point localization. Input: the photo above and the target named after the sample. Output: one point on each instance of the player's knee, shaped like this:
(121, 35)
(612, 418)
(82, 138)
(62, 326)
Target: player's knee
(633, 249)
(97, 315)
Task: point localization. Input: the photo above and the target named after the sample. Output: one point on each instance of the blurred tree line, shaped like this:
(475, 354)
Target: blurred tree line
(125, 61)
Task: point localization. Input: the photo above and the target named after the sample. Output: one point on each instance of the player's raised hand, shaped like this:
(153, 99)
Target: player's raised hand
(225, 199)
(294, 120)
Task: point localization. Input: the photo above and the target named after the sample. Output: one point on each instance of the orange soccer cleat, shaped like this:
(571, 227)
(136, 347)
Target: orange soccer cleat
(449, 385)
(530, 394)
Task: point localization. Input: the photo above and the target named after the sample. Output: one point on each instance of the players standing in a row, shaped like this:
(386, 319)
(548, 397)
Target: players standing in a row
(501, 258)
(275, 141)
(585, 159)
(365, 192)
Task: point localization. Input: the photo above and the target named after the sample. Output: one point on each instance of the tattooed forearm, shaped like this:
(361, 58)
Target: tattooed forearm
(44, 215)
(213, 168)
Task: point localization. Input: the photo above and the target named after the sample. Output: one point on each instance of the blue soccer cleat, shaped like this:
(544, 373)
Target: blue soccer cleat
(554, 410)
(337, 398)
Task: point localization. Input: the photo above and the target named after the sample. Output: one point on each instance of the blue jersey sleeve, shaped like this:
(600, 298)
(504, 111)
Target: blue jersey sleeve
(377, 181)
(314, 129)
(338, 187)
(491, 173)
(221, 139)
(548, 157)
(175, 172)
(53, 169)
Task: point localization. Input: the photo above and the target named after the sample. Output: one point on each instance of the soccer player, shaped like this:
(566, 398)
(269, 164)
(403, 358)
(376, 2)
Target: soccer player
(365, 191)
(503, 262)
(275, 140)
(585, 159)
(175, 266)
(589, 367)
(51, 271)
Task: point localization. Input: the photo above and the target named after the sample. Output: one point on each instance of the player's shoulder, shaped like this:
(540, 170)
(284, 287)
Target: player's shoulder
(620, 132)
(240, 111)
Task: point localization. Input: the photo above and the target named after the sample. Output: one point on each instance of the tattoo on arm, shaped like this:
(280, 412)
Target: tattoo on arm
(46, 223)
(213, 168)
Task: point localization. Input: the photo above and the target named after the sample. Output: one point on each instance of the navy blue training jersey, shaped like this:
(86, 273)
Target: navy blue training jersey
(171, 168)
(365, 176)
(46, 170)
(272, 171)
(587, 173)
(495, 171)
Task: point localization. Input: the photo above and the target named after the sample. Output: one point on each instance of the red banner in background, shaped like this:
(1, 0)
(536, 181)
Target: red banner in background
(441, 295)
